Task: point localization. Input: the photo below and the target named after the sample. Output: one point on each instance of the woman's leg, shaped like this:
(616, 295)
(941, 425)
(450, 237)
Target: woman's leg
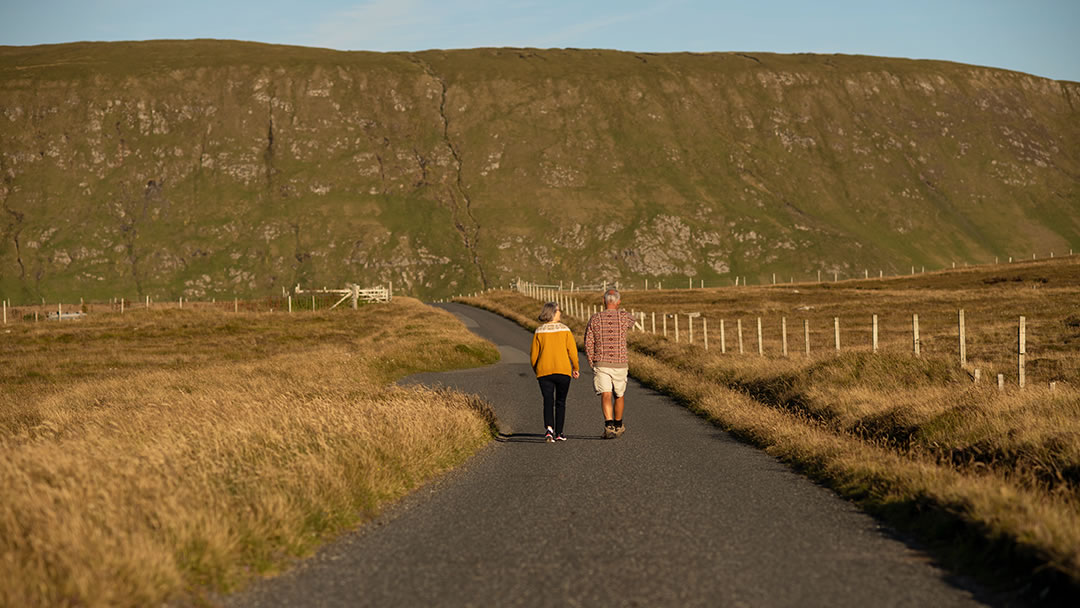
(547, 389)
(562, 387)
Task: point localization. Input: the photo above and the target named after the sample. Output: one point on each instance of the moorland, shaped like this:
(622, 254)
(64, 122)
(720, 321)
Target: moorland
(168, 454)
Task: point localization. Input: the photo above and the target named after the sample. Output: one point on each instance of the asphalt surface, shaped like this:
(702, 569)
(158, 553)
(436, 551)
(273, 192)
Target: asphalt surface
(673, 513)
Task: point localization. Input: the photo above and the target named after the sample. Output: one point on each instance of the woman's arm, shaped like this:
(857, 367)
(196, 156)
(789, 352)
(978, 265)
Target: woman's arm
(534, 352)
(571, 350)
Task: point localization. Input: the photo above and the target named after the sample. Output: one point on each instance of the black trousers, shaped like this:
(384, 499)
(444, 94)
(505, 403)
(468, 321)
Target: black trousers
(554, 388)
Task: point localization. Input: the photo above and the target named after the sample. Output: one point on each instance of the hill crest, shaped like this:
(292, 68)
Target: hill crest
(211, 168)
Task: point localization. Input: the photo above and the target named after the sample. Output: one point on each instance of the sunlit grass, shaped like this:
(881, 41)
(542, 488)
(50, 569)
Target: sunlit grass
(193, 452)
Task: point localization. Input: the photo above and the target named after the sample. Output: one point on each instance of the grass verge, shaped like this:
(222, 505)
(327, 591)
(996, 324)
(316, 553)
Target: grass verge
(988, 480)
(182, 470)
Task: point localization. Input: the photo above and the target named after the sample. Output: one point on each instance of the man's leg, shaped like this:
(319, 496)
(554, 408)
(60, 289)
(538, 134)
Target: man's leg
(609, 423)
(605, 406)
(618, 413)
(620, 402)
(618, 388)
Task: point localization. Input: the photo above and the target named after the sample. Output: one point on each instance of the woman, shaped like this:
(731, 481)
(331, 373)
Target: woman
(554, 359)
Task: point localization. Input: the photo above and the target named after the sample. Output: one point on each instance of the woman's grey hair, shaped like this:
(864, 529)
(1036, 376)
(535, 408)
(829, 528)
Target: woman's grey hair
(547, 313)
(611, 296)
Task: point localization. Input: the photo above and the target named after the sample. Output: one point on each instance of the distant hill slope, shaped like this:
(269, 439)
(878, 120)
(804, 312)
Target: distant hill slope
(213, 168)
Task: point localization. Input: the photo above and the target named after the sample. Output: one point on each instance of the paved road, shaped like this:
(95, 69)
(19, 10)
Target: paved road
(674, 513)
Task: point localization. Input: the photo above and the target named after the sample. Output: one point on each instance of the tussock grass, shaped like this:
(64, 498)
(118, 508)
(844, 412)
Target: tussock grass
(990, 479)
(197, 471)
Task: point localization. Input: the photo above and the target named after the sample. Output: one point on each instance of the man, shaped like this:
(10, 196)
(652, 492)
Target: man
(605, 347)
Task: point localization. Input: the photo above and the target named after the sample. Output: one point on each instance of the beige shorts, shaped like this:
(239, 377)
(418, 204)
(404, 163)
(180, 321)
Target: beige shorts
(610, 380)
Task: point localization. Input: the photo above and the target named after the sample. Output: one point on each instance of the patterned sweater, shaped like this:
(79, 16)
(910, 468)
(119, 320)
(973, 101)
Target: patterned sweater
(605, 338)
(554, 350)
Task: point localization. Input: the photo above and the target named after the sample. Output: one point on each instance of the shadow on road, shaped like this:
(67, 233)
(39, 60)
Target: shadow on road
(538, 438)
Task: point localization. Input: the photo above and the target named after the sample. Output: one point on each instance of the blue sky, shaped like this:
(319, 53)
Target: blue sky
(1034, 36)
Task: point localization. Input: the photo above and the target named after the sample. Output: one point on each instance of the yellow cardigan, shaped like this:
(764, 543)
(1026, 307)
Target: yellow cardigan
(553, 350)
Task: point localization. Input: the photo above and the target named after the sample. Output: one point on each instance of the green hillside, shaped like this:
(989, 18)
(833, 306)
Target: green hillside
(216, 168)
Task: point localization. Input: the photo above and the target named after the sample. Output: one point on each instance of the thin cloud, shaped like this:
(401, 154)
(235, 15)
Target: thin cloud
(379, 25)
(576, 33)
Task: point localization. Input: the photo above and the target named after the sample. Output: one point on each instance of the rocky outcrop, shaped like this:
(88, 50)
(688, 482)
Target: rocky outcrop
(209, 168)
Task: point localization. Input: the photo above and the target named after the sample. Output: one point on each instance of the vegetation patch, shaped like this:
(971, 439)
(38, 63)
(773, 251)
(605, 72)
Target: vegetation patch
(173, 459)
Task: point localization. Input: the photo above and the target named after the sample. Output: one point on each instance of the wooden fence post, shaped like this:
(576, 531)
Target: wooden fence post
(836, 332)
(663, 317)
(654, 323)
(1022, 352)
(121, 305)
(977, 375)
(875, 340)
(290, 304)
(147, 302)
(915, 334)
(705, 332)
(963, 338)
(5, 312)
(760, 346)
(806, 335)
(676, 315)
(1001, 382)
(783, 333)
(739, 323)
(690, 324)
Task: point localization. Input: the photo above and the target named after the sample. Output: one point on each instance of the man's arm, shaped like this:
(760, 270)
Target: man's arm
(590, 349)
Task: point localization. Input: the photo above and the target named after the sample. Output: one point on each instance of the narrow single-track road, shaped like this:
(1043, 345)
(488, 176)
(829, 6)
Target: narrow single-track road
(674, 513)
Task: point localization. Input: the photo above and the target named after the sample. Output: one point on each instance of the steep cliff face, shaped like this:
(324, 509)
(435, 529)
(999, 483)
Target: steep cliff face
(207, 168)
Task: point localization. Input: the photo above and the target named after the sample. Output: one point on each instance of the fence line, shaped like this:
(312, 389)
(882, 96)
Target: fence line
(741, 280)
(583, 313)
(323, 299)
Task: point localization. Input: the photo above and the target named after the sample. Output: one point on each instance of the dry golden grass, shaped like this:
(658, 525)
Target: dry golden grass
(912, 438)
(204, 451)
(993, 299)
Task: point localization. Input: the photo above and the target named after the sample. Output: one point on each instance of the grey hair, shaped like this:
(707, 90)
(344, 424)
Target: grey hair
(611, 296)
(547, 313)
